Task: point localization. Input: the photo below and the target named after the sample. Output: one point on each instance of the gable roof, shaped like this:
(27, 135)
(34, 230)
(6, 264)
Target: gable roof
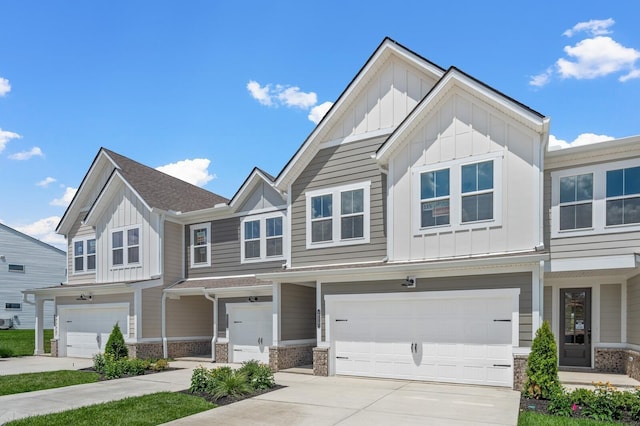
(310, 146)
(456, 77)
(30, 238)
(257, 175)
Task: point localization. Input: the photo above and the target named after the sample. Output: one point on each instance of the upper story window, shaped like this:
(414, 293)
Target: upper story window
(200, 245)
(457, 194)
(601, 198)
(434, 198)
(576, 201)
(623, 196)
(262, 237)
(338, 216)
(125, 246)
(84, 255)
(16, 268)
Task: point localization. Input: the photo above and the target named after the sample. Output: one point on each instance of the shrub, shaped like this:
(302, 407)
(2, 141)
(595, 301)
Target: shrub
(233, 385)
(200, 379)
(115, 345)
(99, 363)
(159, 365)
(542, 365)
(259, 375)
(581, 396)
(601, 406)
(561, 404)
(134, 367)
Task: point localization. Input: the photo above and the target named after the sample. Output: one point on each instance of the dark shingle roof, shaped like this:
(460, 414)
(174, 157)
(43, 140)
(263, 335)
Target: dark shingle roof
(161, 190)
(214, 283)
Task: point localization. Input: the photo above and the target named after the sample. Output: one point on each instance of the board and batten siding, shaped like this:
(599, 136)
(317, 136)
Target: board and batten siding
(298, 306)
(521, 281)
(333, 167)
(610, 321)
(633, 310)
(125, 210)
(173, 253)
(44, 266)
(384, 101)
(460, 128)
(78, 230)
(189, 316)
(225, 253)
(262, 197)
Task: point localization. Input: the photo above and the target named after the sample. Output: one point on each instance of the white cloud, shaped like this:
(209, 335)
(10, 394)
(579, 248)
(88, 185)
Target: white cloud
(5, 137)
(259, 93)
(317, 112)
(594, 27)
(45, 231)
(5, 87)
(193, 171)
(26, 155)
(46, 181)
(582, 139)
(597, 57)
(65, 199)
(288, 96)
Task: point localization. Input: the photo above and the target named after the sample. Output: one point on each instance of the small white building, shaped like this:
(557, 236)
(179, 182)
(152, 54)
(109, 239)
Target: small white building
(26, 263)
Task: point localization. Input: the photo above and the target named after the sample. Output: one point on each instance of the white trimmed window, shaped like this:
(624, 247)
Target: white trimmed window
(84, 255)
(125, 246)
(262, 238)
(200, 245)
(338, 216)
(458, 194)
(596, 199)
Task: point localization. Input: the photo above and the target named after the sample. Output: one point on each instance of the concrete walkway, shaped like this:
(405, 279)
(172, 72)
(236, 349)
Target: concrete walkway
(585, 379)
(305, 399)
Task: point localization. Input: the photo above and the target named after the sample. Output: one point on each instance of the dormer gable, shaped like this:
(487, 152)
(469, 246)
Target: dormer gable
(257, 193)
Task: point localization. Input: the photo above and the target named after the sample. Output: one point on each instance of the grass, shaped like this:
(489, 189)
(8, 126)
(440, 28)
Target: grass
(528, 418)
(152, 409)
(29, 382)
(22, 342)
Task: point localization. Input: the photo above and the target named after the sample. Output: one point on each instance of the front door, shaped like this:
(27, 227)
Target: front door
(575, 327)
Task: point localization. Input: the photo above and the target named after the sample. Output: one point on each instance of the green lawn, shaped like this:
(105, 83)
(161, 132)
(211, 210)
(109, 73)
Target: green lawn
(150, 409)
(22, 342)
(528, 418)
(29, 382)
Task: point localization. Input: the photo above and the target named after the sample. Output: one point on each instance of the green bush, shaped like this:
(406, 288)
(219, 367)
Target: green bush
(542, 365)
(159, 365)
(200, 379)
(601, 405)
(135, 366)
(561, 404)
(99, 363)
(115, 345)
(580, 396)
(233, 385)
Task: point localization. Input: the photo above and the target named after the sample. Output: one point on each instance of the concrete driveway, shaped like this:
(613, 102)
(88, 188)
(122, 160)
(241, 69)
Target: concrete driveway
(306, 399)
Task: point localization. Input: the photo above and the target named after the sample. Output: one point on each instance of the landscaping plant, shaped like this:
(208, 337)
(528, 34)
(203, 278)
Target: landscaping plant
(224, 382)
(115, 345)
(542, 365)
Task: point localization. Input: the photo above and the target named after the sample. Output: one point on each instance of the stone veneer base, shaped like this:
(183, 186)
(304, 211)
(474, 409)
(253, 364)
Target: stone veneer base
(519, 371)
(222, 352)
(175, 349)
(54, 348)
(283, 357)
(320, 361)
(619, 361)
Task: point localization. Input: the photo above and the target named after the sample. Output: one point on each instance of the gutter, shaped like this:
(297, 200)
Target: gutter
(214, 339)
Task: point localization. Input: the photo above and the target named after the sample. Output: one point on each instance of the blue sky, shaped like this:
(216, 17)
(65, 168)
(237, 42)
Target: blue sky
(210, 89)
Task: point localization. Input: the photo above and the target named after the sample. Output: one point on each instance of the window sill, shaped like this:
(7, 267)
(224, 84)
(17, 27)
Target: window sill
(262, 259)
(328, 244)
(200, 265)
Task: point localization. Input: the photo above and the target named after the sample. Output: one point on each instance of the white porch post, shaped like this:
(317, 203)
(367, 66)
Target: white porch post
(537, 297)
(318, 312)
(276, 314)
(39, 350)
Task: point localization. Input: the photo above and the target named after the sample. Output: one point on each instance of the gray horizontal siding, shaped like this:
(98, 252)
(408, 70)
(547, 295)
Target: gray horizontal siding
(332, 167)
(298, 304)
(481, 282)
(633, 310)
(225, 253)
(596, 245)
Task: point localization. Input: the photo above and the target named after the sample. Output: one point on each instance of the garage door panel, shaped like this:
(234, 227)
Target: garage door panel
(86, 331)
(250, 332)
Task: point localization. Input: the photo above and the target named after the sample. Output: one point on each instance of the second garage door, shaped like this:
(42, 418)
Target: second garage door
(458, 337)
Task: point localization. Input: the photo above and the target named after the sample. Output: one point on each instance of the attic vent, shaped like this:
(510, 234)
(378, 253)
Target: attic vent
(16, 268)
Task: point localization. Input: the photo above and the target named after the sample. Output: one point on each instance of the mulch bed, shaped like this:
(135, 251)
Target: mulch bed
(229, 399)
(542, 406)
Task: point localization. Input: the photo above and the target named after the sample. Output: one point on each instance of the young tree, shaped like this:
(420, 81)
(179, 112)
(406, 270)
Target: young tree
(115, 345)
(542, 365)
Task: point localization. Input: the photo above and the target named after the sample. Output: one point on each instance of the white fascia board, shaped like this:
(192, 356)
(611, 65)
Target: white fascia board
(68, 290)
(256, 290)
(622, 261)
(311, 146)
(204, 215)
(611, 150)
(464, 266)
(107, 193)
(245, 190)
(451, 79)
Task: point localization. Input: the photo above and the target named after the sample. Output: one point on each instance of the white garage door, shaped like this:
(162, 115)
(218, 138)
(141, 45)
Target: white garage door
(250, 331)
(434, 336)
(84, 331)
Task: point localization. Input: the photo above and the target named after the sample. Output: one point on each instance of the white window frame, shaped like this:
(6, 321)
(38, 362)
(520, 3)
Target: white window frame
(125, 247)
(192, 246)
(262, 219)
(336, 215)
(456, 194)
(85, 255)
(575, 203)
(599, 222)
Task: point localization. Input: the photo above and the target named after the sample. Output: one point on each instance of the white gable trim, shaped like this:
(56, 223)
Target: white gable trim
(245, 190)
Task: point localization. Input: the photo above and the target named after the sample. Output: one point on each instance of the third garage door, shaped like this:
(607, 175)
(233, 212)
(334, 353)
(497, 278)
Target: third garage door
(453, 336)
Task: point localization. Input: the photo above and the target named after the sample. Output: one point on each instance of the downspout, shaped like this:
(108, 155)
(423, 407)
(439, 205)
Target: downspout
(165, 349)
(214, 339)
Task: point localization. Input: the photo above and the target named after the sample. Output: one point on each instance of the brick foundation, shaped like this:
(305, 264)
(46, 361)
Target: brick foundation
(320, 361)
(54, 347)
(222, 352)
(519, 372)
(174, 349)
(283, 357)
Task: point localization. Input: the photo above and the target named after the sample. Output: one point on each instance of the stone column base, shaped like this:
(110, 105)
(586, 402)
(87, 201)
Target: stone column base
(54, 348)
(519, 372)
(222, 352)
(320, 361)
(283, 357)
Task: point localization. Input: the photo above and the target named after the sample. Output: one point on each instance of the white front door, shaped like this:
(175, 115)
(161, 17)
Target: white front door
(250, 331)
(435, 336)
(84, 331)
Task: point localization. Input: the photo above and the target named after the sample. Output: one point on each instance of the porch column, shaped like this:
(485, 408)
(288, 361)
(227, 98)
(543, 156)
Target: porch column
(276, 314)
(537, 297)
(214, 339)
(39, 349)
(318, 312)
